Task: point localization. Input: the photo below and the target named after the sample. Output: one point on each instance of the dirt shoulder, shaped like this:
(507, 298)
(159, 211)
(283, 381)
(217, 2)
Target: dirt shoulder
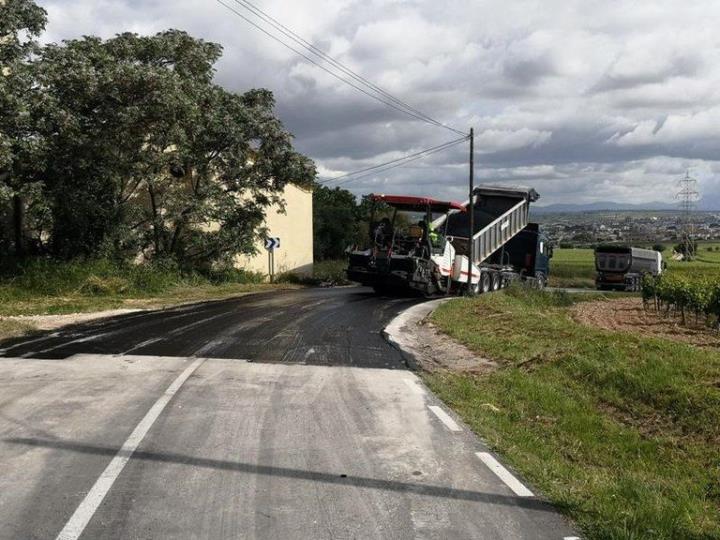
(628, 315)
(427, 348)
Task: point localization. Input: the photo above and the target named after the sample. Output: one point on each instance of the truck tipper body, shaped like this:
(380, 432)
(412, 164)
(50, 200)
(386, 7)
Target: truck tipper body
(424, 245)
(623, 267)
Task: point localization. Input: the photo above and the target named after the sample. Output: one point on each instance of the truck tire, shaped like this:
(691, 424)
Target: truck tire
(485, 282)
(496, 282)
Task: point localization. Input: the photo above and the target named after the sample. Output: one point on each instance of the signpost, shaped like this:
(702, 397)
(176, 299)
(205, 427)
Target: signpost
(271, 244)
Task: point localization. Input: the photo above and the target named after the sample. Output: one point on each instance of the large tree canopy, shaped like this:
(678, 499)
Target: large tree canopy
(144, 153)
(21, 21)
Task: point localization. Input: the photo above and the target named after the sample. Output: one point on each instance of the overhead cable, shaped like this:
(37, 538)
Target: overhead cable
(399, 162)
(375, 92)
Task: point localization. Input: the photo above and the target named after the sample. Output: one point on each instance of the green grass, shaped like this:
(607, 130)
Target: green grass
(329, 272)
(572, 268)
(620, 432)
(576, 267)
(47, 287)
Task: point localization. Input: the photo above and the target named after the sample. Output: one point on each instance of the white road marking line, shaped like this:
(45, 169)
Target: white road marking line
(28, 342)
(414, 386)
(142, 344)
(571, 538)
(503, 474)
(445, 418)
(65, 344)
(94, 337)
(84, 513)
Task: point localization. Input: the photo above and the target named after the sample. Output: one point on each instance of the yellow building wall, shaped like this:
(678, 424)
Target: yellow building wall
(295, 230)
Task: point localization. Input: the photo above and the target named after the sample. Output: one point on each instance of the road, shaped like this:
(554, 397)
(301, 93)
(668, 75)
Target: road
(281, 415)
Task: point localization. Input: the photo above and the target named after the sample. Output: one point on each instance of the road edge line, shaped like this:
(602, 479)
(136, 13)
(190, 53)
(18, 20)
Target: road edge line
(94, 498)
(503, 474)
(445, 418)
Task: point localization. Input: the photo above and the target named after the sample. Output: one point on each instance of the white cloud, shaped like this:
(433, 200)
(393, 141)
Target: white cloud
(586, 99)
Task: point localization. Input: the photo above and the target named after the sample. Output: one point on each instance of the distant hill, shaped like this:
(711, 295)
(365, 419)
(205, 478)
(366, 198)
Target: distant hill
(601, 206)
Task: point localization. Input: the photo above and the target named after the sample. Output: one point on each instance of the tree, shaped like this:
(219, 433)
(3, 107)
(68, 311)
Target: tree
(145, 153)
(340, 220)
(659, 247)
(687, 249)
(335, 222)
(21, 21)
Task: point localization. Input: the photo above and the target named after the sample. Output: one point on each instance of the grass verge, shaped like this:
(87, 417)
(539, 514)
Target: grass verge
(47, 287)
(620, 432)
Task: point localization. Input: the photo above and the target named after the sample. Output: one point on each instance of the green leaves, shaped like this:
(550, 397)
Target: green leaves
(145, 154)
(700, 296)
(20, 22)
(124, 147)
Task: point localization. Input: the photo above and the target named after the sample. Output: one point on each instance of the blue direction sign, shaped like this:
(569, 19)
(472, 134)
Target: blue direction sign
(271, 244)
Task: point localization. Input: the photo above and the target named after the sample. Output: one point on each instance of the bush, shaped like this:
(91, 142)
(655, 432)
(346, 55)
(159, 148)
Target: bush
(99, 286)
(102, 277)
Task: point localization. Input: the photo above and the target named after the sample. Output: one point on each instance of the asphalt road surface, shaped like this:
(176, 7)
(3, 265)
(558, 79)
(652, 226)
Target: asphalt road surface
(282, 415)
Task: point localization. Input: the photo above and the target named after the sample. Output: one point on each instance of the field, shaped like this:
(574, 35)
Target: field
(620, 431)
(576, 267)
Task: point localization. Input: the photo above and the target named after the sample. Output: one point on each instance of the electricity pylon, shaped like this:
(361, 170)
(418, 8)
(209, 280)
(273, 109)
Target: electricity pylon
(688, 197)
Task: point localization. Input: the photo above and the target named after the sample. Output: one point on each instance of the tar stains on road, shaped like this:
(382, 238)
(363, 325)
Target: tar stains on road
(311, 326)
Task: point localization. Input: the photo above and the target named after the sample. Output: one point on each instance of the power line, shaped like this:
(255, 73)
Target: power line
(336, 63)
(421, 152)
(404, 108)
(399, 162)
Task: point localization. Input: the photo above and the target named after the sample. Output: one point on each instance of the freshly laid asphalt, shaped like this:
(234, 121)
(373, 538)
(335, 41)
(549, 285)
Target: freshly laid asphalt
(300, 422)
(334, 326)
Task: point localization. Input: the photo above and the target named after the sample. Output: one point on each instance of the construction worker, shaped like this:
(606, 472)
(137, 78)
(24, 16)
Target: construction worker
(435, 238)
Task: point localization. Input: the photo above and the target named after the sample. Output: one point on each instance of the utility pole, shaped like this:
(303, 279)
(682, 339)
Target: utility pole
(688, 196)
(471, 208)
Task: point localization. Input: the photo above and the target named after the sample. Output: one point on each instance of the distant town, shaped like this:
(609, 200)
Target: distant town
(583, 229)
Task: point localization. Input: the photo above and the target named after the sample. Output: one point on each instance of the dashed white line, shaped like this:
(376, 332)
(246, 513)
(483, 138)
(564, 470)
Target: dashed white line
(571, 538)
(65, 344)
(89, 505)
(142, 344)
(414, 386)
(445, 418)
(503, 474)
(28, 342)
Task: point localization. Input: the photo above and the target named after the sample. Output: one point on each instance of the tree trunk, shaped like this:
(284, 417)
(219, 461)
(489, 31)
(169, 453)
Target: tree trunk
(156, 218)
(18, 225)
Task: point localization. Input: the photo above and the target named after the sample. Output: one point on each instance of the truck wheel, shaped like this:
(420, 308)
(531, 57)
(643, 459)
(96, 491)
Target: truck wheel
(485, 282)
(496, 282)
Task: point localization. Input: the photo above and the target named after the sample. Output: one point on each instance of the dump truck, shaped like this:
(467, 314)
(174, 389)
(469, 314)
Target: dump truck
(623, 267)
(423, 244)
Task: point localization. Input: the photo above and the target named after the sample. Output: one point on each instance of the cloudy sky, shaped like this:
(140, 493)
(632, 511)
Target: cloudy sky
(585, 100)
